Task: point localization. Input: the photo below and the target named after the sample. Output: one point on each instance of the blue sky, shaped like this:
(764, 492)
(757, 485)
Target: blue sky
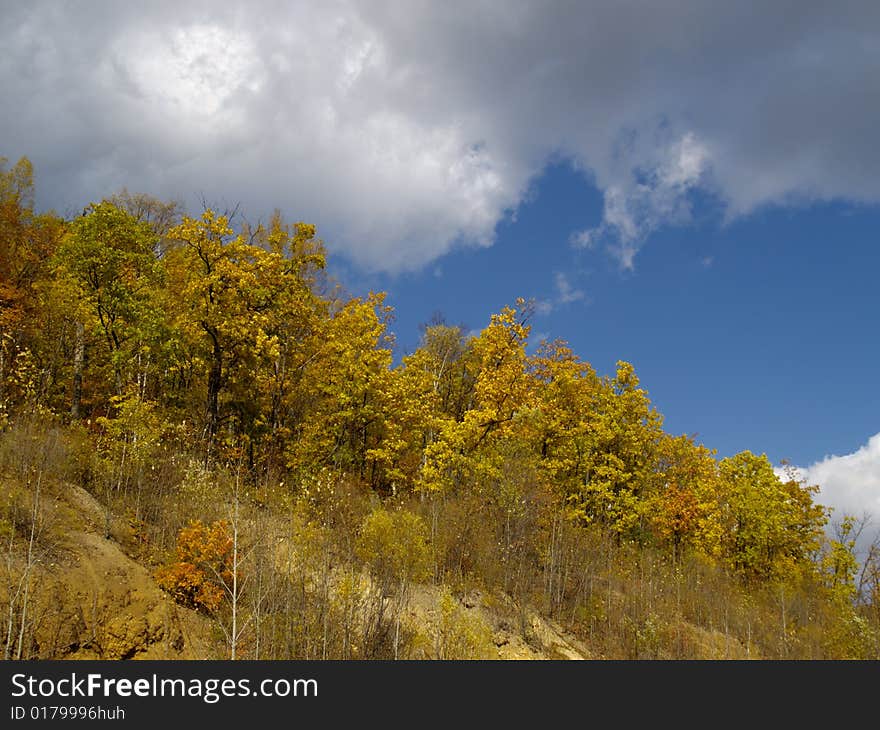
(753, 335)
(692, 187)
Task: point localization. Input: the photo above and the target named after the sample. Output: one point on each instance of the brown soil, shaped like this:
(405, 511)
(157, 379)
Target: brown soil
(102, 604)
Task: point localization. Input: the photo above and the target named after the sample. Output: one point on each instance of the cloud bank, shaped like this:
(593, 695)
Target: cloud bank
(406, 129)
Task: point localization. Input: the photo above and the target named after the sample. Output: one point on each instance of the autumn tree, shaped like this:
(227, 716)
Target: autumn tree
(682, 506)
(235, 298)
(293, 331)
(597, 438)
(202, 566)
(561, 424)
(161, 216)
(424, 396)
(346, 381)
(129, 446)
(463, 448)
(27, 241)
(394, 545)
(769, 526)
(106, 269)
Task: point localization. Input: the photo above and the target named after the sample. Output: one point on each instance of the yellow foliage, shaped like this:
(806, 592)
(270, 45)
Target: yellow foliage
(395, 546)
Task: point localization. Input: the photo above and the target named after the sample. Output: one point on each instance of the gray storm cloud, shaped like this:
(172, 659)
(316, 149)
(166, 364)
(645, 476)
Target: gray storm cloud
(405, 129)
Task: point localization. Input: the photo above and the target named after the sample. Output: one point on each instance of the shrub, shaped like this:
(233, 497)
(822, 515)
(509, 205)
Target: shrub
(203, 567)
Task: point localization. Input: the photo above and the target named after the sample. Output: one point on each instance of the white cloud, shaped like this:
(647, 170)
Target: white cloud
(565, 292)
(544, 307)
(404, 130)
(583, 239)
(193, 70)
(849, 484)
(536, 338)
(646, 199)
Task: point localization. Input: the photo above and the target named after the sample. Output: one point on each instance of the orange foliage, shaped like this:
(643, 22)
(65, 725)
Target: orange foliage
(677, 513)
(203, 566)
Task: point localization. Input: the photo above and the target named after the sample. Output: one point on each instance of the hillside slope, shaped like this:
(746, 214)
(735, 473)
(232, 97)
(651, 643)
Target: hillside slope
(92, 600)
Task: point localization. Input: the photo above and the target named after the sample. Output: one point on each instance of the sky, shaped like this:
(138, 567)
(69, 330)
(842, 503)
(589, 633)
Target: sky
(692, 187)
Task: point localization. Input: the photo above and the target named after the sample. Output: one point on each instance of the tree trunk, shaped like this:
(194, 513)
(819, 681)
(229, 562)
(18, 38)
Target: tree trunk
(215, 377)
(79, 352)
(29, 565)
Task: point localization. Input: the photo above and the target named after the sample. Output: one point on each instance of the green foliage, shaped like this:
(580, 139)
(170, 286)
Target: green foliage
(106, 271)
